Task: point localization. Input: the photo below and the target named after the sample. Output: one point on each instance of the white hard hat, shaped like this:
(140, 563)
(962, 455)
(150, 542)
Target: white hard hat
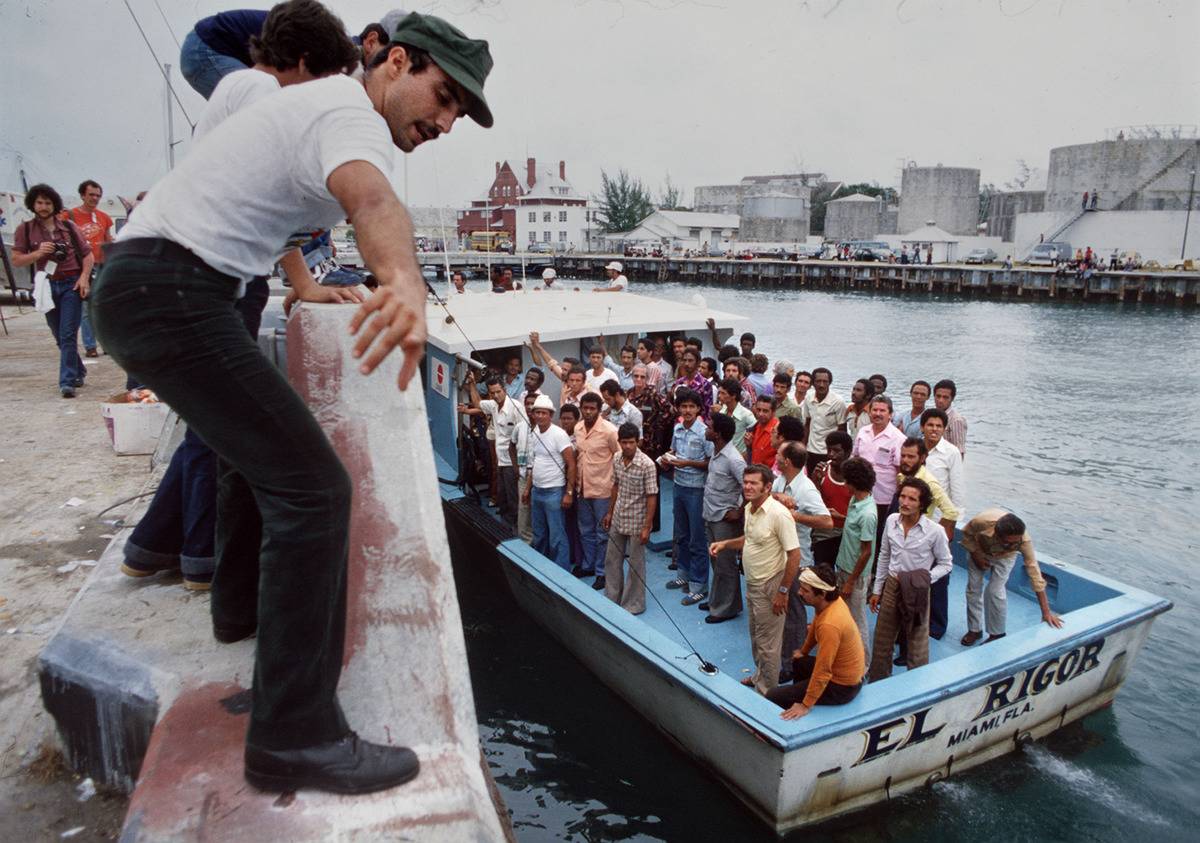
(543, 402)
(615, 265)
(548, 274)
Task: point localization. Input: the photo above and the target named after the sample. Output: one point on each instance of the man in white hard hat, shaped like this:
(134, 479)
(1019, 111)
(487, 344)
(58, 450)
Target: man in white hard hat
(549, 276)
(617, 283)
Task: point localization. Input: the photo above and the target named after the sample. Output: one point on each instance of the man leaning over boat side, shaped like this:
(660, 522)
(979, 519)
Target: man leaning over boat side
(299, 159)
(770, 558)
(993, 538)
(915, 554)
(834, 675)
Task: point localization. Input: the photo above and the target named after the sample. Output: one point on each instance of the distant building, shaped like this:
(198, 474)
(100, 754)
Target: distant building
(1003, 209)
(729, 198)
(858, 217)
(947, 195)
(539, 205)
(683, 229)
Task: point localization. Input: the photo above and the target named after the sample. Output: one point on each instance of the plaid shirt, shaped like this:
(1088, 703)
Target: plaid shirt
(634, 483)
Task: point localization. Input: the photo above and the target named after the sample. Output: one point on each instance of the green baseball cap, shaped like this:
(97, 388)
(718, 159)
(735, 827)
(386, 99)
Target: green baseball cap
(465, 60)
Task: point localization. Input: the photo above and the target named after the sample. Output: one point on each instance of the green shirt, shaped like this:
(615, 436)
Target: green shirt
(743, 420)
(788, 407)
(860, 525)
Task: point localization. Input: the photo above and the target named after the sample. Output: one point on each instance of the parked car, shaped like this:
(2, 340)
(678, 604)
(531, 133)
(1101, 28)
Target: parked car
(980, 256)
(1040, 256)
(539, 248)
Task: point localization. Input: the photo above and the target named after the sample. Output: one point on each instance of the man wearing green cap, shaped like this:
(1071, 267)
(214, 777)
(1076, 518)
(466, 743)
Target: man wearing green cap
(300, 159)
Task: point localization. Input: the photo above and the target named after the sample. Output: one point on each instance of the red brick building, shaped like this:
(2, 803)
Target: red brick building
(497, 210)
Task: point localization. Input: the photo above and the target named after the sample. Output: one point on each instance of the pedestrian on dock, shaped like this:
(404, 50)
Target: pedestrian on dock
(928, 254)
(834, 675)
(993, 538)
(297, 160)
(57, 248)
(688, 461)
(723, 519)
(1095, 199)
(629, 520)
(1084, 204)
(914, 554)
(97, 228)
(944, 394)
(771, 560)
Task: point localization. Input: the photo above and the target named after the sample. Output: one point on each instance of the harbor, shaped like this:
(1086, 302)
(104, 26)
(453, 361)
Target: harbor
(1176, 288)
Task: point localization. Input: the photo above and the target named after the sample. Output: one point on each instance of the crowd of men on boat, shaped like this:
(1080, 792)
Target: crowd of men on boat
(847, 506)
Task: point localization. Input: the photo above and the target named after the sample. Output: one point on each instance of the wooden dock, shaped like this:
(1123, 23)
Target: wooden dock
(983, 282)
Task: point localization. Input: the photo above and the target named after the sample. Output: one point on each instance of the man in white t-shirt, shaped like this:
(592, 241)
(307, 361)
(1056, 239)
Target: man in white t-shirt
(598, 373)
(617, 283)
(303, 158)
(552, 471)
(299, 42)
(505, 414)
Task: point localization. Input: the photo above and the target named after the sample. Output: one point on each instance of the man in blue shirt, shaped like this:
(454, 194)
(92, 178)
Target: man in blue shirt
(688, 458)
(910, 420)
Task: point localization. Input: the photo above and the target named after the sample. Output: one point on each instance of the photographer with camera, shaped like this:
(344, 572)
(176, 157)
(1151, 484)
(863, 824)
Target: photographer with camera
(57, 248)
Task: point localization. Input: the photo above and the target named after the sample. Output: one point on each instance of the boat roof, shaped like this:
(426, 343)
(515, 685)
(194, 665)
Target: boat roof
(502, 320)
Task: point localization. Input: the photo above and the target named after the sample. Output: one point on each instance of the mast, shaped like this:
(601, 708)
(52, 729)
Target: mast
(170, 119)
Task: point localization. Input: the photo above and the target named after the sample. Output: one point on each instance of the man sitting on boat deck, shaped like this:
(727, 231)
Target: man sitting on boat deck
(628, 521)
(834, 675)
(915, 554)
(993, 538)
(770, 558)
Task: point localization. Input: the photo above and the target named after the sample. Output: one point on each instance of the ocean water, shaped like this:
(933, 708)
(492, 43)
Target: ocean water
(1085, 419)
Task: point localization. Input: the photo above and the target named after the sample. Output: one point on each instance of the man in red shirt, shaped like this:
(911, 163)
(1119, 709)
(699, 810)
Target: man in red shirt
(96, 227)
(758, 438)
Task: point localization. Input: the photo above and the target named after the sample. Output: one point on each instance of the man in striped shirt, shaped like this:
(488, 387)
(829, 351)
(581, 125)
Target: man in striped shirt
(944, 393)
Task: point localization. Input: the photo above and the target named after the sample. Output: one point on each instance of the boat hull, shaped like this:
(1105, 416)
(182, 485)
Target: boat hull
(864, 759)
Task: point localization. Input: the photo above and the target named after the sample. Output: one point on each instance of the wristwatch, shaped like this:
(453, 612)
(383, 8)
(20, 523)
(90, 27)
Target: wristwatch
(783, 589)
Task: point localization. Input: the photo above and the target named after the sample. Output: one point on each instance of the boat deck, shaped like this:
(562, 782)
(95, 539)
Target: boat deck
(727, 645)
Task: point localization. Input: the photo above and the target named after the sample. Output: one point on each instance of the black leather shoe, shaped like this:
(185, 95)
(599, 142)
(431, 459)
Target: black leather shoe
(703, 607)
(347, 765)
(900, 661)
(599, 583)
(712, 619)
(579, 572)
(232, 633)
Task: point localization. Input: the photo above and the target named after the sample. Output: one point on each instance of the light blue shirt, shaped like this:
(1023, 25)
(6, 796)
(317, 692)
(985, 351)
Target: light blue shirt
(625, 379)
(909, 424)
(689, 443)
(808, 502)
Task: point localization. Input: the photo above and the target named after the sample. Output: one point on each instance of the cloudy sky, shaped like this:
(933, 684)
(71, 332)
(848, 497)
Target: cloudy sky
(703, 90)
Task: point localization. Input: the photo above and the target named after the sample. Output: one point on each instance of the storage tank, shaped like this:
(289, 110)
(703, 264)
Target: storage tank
(854, 217)
(1130, 174)
(774, 218)
(947, 195)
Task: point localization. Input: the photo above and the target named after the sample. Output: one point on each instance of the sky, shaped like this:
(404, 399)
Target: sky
(698, 91)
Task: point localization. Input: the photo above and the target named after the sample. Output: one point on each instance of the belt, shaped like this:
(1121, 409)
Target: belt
(168, 249)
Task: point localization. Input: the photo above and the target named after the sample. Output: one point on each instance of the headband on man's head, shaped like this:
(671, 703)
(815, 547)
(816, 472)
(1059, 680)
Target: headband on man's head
(809, 577)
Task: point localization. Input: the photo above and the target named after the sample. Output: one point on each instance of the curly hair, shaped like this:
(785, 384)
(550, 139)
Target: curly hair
(39, 191)
(304, 30)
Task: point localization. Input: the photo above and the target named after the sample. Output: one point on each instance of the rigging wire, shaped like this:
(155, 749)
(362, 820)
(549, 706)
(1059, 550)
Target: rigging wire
(163, 15)
(160, 67)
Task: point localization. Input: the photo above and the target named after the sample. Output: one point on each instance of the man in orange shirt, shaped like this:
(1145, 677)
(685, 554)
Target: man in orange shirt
(834, 675)
(97, 229)
(758, 438)
(596, 444)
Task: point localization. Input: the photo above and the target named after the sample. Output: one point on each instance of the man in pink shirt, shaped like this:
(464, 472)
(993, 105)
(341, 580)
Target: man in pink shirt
(879, 444)
(596, 444)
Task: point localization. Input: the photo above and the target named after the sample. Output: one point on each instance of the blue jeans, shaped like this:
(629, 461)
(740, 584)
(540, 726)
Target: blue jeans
(691, 548)
(202, 66)
(64, 325)
(591, 512)
(179, 528)
(85, 328)
(549, 528)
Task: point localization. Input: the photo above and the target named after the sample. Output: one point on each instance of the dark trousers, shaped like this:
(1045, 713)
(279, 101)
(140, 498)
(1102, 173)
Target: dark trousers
(882, 510)
(825, 551)
(795, 630)
(939, 606)
(725, 593)
(170, 321)
(785, 696)
(506, 493)
(179, 528)
(64, 325)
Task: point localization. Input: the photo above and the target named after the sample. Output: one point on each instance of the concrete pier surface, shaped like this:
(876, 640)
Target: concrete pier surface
(138, 695)
(54, 449)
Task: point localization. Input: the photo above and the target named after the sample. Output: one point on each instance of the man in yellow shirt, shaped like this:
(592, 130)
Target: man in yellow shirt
(834, 675)
(770, 558)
